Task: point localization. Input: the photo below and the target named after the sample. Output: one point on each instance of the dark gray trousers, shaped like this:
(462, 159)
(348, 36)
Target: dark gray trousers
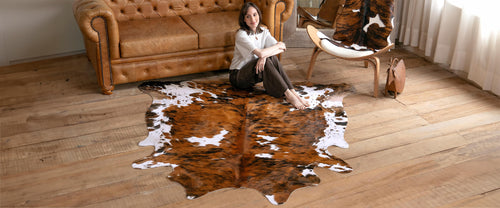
(275, 80)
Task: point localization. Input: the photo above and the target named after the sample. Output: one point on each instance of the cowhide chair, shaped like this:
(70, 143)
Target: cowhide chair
(362, 32)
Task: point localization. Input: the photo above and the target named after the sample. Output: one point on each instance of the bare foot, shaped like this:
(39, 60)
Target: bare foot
(302, 100)
(291, 98)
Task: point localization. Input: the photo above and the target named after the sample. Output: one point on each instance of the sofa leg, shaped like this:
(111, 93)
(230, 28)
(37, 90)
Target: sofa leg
(105, 83)
(106, 87)
(107, 91)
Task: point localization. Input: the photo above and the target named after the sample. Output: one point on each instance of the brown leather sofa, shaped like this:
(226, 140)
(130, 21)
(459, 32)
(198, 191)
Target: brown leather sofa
(134, 40)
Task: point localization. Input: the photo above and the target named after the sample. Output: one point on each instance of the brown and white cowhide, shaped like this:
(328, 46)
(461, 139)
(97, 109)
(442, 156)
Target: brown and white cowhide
(365, 24)
(214, 137)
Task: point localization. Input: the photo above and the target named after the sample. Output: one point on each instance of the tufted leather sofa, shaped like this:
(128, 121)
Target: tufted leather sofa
(134, 40)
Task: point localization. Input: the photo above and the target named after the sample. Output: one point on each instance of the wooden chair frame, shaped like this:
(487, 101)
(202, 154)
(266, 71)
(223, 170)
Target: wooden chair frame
(373, 59)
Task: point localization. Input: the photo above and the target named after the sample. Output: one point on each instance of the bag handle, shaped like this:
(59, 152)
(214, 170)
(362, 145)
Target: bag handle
(394, 62)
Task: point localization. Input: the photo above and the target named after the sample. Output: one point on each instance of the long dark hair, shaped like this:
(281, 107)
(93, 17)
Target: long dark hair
(243, 12)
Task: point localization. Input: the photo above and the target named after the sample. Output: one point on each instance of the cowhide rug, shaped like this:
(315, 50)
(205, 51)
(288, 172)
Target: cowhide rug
(214, 137)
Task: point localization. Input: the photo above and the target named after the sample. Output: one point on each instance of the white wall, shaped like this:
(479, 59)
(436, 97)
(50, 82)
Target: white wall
(34, 29)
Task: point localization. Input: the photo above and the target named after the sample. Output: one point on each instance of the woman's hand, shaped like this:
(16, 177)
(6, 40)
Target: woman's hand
(281, 46)
(270, 51)
(259, 67)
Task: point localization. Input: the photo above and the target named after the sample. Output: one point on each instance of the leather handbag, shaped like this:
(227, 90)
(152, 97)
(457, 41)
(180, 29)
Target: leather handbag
(396, 76)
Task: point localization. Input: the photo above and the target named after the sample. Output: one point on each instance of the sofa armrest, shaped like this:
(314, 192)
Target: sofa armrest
(100, 32)
(274, 14)
(86, 12)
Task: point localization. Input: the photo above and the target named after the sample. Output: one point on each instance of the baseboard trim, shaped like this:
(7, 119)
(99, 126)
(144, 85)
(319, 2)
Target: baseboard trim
(39, 58)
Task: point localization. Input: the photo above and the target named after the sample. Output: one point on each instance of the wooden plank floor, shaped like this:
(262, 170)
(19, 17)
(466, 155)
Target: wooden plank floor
(64, 144)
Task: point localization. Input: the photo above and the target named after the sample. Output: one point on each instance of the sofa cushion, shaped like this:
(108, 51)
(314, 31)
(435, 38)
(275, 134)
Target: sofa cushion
(214, 29)
(155, 36)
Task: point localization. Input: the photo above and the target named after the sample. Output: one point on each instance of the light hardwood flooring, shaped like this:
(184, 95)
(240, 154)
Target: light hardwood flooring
(64, 144)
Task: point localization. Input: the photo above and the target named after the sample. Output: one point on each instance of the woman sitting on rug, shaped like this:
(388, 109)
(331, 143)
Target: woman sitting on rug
(254, 59)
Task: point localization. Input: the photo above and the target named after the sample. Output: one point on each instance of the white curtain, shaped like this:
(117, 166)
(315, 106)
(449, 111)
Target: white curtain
(463, 34)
